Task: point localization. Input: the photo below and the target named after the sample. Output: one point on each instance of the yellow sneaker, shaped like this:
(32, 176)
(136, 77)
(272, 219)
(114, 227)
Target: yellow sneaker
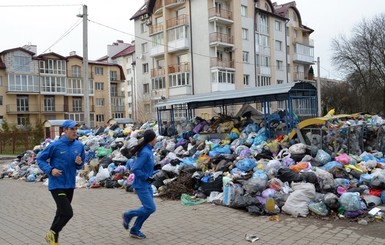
(51, 238)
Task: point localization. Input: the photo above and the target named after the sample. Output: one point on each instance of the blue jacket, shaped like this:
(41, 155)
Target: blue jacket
(143, 167)
(61, 154)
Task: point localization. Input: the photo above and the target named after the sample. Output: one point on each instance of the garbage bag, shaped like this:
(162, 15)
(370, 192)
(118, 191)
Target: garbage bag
(188, 200)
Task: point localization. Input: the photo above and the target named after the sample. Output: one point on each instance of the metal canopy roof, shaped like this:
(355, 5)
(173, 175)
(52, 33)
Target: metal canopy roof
(275, 92)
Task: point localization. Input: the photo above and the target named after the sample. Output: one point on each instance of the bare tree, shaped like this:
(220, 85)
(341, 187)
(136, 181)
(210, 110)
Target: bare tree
(362, 58)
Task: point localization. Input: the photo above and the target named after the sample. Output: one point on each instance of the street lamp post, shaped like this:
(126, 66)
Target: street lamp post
(319, 88)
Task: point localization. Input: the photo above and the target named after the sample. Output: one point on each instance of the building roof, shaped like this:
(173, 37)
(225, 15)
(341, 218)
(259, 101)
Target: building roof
(145, 9)
(275, 92)
(42, 56)
(282, 9)
(15, 49)
(127, 51)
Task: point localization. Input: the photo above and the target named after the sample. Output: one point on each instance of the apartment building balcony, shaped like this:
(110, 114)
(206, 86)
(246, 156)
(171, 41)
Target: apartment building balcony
(157, 50)
(23, 83)
(221, 39)
(178, 39)
(304, 54)
(153, 29)
(221, 63)
(180, 90)
(183, 67)
(303, 59)
(118, 108)
(221, 15)
(52, 109)
(158, 72)
(169, 4)
(77, 109)
(263, 70)
(24, 109)
(303, 76)
(177, 21)
(158, 8)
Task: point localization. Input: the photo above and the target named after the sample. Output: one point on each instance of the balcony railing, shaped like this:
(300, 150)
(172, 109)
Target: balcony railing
(215, 62)
(222, 13)
(177, 21)
(173, 2)
(156, 28)
(221, 37)
(117, 108)
(183, 67)
(158, 72)
(303, 76)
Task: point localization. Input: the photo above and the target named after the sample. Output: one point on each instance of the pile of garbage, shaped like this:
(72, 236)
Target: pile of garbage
(234, 163)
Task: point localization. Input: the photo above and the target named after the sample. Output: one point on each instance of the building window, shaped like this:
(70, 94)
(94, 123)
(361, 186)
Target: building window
(246, 79)
(75, 70)
(77, 104)
(245, 34)
(22, 119)
(179, 79)
(278, 25)
(279, 64)
(99, 102)
(158, 83)
(243, 10)
(145, 68)
(1, 100)
(265, 61)
(99, 117)
(99, 71)
(49, 103)
(147, 108)
(99, 86)
(245, 56)
(146, 88)
(129, 71)
(278, 45)
(143, 27)
(22, 63)
(263, 81)
(1, 81)
(263, 24)
(114, 90)
(279, 81)
(113, 76)
(144, 48)
(22, 103)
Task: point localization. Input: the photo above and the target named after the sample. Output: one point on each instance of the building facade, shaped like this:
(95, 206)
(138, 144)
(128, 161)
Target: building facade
(50, 86)
(188, 47)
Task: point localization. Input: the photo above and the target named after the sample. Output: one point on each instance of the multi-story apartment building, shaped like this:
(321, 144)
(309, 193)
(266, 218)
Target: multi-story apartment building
(195, 47)
(123, 54)
(50, 86)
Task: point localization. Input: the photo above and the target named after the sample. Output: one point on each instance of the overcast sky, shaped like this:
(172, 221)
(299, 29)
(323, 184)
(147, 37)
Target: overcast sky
(56, 28)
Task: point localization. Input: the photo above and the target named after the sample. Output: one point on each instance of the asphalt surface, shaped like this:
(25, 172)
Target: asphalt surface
(27, 209)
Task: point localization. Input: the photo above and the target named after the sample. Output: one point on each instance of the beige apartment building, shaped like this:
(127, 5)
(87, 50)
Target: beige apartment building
(186, 48)
(51, 87)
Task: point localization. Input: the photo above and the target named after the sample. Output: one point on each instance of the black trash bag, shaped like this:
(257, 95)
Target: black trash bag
(212, 185)
(257, 209)
(265, 154)
(243, 201)
(158, 178)
(355, 173)
(288, 175)
(105, 161)
(339, 173)
(188, 168)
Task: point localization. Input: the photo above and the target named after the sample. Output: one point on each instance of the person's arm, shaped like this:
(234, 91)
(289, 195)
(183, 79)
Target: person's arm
(83, 158)
(42, 158)
(139, 163)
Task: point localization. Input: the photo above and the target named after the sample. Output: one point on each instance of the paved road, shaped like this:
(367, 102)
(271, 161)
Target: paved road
(26, 210)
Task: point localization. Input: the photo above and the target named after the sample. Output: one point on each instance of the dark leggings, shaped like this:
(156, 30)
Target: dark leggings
(64, 213)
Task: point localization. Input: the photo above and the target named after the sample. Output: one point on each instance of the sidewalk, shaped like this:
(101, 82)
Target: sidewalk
(27, 210)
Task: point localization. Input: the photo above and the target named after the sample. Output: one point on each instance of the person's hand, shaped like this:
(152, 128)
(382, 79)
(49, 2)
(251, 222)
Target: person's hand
(56, 172)
(78, 159)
